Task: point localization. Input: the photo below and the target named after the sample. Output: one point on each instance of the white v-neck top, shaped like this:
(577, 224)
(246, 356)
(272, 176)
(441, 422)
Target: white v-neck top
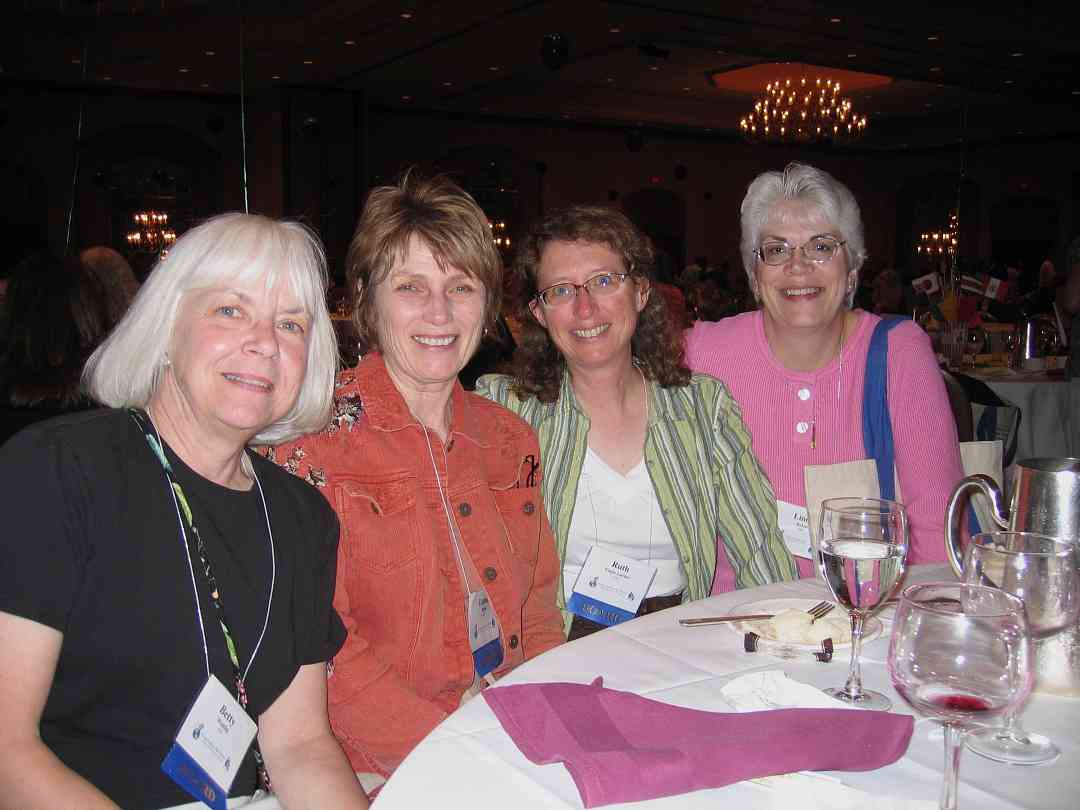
(621, 513)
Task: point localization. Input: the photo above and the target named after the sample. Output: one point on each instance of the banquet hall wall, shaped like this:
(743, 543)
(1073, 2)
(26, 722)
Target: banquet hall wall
(313, 153)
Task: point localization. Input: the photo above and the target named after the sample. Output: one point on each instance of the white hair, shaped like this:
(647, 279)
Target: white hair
(828, 196)
(128, 367)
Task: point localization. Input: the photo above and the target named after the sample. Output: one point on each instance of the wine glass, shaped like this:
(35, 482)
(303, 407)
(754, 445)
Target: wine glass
(862, 554)
(1042, 571)
(960, 653)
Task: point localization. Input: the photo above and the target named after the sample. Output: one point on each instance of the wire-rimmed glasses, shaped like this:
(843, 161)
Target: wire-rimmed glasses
(597, 286)
(817, 249)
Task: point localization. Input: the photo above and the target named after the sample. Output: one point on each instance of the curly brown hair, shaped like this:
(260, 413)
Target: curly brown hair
(657, 344)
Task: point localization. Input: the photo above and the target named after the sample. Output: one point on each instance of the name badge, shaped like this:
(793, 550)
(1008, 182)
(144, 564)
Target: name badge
(610, 587)
(795, 524)
(484, 638)
(210, 745)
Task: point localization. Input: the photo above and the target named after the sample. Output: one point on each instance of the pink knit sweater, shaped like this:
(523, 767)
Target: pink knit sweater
(785, 410)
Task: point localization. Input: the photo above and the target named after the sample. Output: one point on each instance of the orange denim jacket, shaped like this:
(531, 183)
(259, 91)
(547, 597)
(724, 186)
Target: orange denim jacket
(406, 662)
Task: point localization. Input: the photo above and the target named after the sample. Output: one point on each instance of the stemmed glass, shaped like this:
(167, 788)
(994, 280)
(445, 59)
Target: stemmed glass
(862, 554)
(960, 653)
(1042, 571)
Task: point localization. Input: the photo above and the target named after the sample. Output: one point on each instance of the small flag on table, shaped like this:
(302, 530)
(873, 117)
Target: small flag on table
(928, 284)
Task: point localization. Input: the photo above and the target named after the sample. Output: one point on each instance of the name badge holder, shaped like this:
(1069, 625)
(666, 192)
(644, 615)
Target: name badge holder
(481, 623)
(794, 522)
(610, 587)
(217, 731)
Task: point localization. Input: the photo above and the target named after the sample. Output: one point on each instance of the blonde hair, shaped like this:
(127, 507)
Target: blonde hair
(128, 367)
(445, 218)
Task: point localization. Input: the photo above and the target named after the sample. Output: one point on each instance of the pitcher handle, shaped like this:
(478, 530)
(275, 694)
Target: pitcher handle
(980, 483)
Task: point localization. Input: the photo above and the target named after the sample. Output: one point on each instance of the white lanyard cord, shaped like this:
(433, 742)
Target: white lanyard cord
(191, 567)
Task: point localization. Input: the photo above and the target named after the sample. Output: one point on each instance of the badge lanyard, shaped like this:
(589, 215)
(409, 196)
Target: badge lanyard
(486, 649)
(189, 530)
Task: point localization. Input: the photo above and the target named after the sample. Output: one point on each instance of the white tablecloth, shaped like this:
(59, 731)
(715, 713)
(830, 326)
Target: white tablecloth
(469, 762)
(1047, 404)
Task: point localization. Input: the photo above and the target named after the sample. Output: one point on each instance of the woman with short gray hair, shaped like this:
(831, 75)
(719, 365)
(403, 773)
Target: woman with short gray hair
(165, 593)
(798, 365)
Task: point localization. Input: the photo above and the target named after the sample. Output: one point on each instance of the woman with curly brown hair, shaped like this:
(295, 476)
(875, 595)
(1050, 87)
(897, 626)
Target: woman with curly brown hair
(643, 461)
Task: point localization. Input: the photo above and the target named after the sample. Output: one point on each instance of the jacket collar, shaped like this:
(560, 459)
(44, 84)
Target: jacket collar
(387, 410)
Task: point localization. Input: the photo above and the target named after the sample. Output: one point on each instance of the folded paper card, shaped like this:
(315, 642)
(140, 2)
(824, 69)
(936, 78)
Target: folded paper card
(620, 747)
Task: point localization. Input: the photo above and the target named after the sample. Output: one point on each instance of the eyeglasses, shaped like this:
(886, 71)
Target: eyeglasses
(818, 249)
(598, 286)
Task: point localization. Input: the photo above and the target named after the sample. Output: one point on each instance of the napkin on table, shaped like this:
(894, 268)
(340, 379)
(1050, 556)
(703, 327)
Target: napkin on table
(620, 747)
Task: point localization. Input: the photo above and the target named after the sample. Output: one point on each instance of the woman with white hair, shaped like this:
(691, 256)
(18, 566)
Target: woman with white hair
(165, 593)
(798, 364)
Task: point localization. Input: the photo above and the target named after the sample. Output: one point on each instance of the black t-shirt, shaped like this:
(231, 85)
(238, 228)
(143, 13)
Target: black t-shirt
(92, 547)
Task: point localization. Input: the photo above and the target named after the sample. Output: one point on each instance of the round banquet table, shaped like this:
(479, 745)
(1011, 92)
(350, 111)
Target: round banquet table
(1047, 403)
(469, 762)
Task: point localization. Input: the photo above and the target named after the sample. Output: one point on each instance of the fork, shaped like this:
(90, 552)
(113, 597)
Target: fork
(820, 610)
(816, 612)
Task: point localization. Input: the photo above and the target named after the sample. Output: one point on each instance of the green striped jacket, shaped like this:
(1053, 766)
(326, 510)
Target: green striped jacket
(707, 480)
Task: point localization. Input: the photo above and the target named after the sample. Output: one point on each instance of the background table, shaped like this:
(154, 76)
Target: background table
(1047, 403)
(469, 762)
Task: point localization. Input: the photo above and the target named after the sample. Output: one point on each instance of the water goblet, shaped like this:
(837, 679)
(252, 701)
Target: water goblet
(960, 653)
(1042, 571)
(862, 554)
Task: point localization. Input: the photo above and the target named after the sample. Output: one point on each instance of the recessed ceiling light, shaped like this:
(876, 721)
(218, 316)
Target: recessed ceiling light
(183, 70)
(686, 89)
(406, 98)
(654, 67)
(852, 55)
(494, 68)
(309, 61)
(1018, 53)
(406, 15)
(1008, 81)
(935, 69)
(275, 76)
(835, 20)
(210, 53)
(107, 78)
(204, 84)
(447, 84)
(932, 38)
(350, 42)
(614, 30)
(76, 61)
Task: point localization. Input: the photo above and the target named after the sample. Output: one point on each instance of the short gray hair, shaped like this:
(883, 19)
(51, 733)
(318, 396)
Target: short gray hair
(807, 184)
(128, 367)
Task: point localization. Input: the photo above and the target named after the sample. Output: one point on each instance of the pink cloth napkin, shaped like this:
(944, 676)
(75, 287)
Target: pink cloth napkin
(620, 747)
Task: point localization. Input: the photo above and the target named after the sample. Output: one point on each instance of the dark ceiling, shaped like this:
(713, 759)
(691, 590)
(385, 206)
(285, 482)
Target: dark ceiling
(984, 73)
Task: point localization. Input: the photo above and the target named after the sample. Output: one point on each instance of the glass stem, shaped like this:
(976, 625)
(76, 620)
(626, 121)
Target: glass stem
(1010, 729)
(853, 687)
(954, 739)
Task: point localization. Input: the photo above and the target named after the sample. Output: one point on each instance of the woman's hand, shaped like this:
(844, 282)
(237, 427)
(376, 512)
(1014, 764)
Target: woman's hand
(306, 765)
(31, 776)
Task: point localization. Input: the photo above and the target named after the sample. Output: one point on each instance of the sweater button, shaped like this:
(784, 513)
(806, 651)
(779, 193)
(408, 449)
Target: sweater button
(804, 394)
(528, 508)
(464, 510)
(802, 427)
(490, 574)
(513, 642)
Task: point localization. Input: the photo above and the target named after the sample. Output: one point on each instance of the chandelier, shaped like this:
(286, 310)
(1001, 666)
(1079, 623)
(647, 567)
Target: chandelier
(803, 111)
(152, 233)
(940, 243)
(499, 234)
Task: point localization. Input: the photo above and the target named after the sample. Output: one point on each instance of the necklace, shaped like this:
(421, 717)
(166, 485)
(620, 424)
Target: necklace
(839, 380)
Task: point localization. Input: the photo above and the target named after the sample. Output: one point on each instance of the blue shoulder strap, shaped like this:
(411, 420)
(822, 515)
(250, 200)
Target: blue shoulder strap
(877, 429)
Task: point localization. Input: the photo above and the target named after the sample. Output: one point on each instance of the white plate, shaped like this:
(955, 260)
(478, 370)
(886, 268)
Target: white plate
(871, 627)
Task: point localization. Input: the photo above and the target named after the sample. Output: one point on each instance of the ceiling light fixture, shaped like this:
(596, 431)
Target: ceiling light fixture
(803, 111)
(152, 233)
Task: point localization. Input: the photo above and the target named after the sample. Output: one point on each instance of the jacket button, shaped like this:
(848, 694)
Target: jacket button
(528, 508)
(513, 642)
(464, 510)
(490, 574)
